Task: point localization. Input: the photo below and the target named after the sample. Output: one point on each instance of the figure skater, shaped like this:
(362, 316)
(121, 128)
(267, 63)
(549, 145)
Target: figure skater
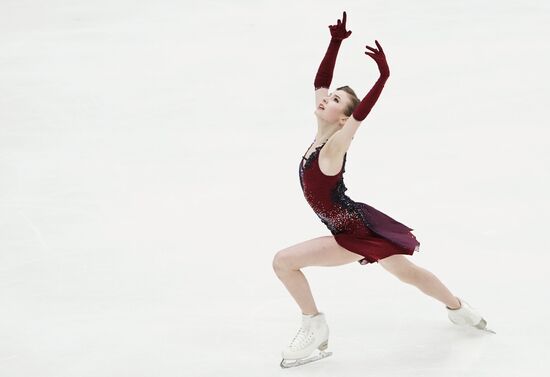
(360, 233)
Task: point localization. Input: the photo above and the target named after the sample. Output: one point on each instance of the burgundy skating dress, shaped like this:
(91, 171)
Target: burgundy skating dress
(356, 226)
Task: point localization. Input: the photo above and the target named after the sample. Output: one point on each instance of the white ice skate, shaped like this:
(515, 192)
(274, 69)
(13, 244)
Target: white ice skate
(313, 334)
(466, 315)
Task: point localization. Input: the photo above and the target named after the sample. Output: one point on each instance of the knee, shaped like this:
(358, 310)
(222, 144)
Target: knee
(416, 275)
(281, 261)
(409, 275)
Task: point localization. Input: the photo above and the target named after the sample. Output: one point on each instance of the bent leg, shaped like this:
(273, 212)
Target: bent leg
(406, 271)
(320, 251)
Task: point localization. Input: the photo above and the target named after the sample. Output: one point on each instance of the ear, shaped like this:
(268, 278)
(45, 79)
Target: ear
(343, 120)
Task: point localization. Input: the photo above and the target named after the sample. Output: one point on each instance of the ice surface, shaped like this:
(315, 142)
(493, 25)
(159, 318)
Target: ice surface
(149, 159)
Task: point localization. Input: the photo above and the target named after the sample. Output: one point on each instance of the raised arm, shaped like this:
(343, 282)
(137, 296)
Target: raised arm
(341, 140)
(364, 108)
(324, 73)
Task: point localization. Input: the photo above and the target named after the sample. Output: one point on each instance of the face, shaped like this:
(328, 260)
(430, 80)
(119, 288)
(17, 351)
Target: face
(332, 107)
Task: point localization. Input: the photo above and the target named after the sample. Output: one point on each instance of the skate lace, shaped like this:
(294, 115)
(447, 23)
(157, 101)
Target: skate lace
(300, 338)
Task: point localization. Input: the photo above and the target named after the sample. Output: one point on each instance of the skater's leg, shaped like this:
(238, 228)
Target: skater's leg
(406, 271)
(320, 251)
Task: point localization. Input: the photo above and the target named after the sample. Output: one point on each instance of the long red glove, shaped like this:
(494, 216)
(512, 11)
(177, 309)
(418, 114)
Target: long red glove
(364, 108)
(326, 69)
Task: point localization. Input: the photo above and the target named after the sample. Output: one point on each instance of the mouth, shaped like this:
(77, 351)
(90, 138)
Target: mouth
(321, 107)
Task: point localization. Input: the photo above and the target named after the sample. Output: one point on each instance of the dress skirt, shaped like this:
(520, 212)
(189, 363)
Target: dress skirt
(378, 236)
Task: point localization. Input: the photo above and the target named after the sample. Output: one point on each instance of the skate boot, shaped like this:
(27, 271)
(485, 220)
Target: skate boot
(313, 334)
(466, 315)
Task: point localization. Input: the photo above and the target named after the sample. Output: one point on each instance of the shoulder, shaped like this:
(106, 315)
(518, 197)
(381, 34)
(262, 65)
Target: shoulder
(331, 159)
(341, 140)
(333, 150)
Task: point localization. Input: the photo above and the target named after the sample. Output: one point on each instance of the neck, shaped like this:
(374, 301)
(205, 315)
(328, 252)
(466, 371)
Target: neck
(325, 131)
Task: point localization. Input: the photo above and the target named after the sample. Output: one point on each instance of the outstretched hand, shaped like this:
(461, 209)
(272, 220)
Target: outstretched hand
(338, 31)
(380, 59)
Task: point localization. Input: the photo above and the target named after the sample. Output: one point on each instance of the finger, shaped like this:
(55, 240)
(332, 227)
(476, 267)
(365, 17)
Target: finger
(371, 48)
(344, 19)
(371, 55)
(379, 47)
(349, 33)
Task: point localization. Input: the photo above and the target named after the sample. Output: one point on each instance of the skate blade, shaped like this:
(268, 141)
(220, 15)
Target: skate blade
(298, 362)
(482, 325)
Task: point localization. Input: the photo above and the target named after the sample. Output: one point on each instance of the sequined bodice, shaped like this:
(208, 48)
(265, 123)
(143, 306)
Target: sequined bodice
(326, 194)
(342, 216)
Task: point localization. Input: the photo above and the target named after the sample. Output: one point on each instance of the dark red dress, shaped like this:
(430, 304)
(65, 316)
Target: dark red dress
(355, 226)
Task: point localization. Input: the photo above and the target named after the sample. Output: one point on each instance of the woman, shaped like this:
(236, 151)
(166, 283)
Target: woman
(360, 233)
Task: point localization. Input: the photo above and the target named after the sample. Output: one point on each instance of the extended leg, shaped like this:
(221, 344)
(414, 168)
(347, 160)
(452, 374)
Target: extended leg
(406, 271)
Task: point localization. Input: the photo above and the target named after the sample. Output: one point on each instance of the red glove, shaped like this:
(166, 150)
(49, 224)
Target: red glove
(338, 31)
(379, 58)
(324, 73)
(364, 108)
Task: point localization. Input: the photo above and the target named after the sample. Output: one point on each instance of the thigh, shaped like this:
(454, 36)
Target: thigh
(320, 251)
(399, 265)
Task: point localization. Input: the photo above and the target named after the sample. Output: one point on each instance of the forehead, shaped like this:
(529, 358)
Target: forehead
(338, 93)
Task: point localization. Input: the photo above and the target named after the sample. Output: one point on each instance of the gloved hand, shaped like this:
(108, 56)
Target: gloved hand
(365, 106)
(338, 31)
(380, 59)
(326, 68)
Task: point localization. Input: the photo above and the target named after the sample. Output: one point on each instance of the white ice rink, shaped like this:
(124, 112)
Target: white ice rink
(149, 157)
